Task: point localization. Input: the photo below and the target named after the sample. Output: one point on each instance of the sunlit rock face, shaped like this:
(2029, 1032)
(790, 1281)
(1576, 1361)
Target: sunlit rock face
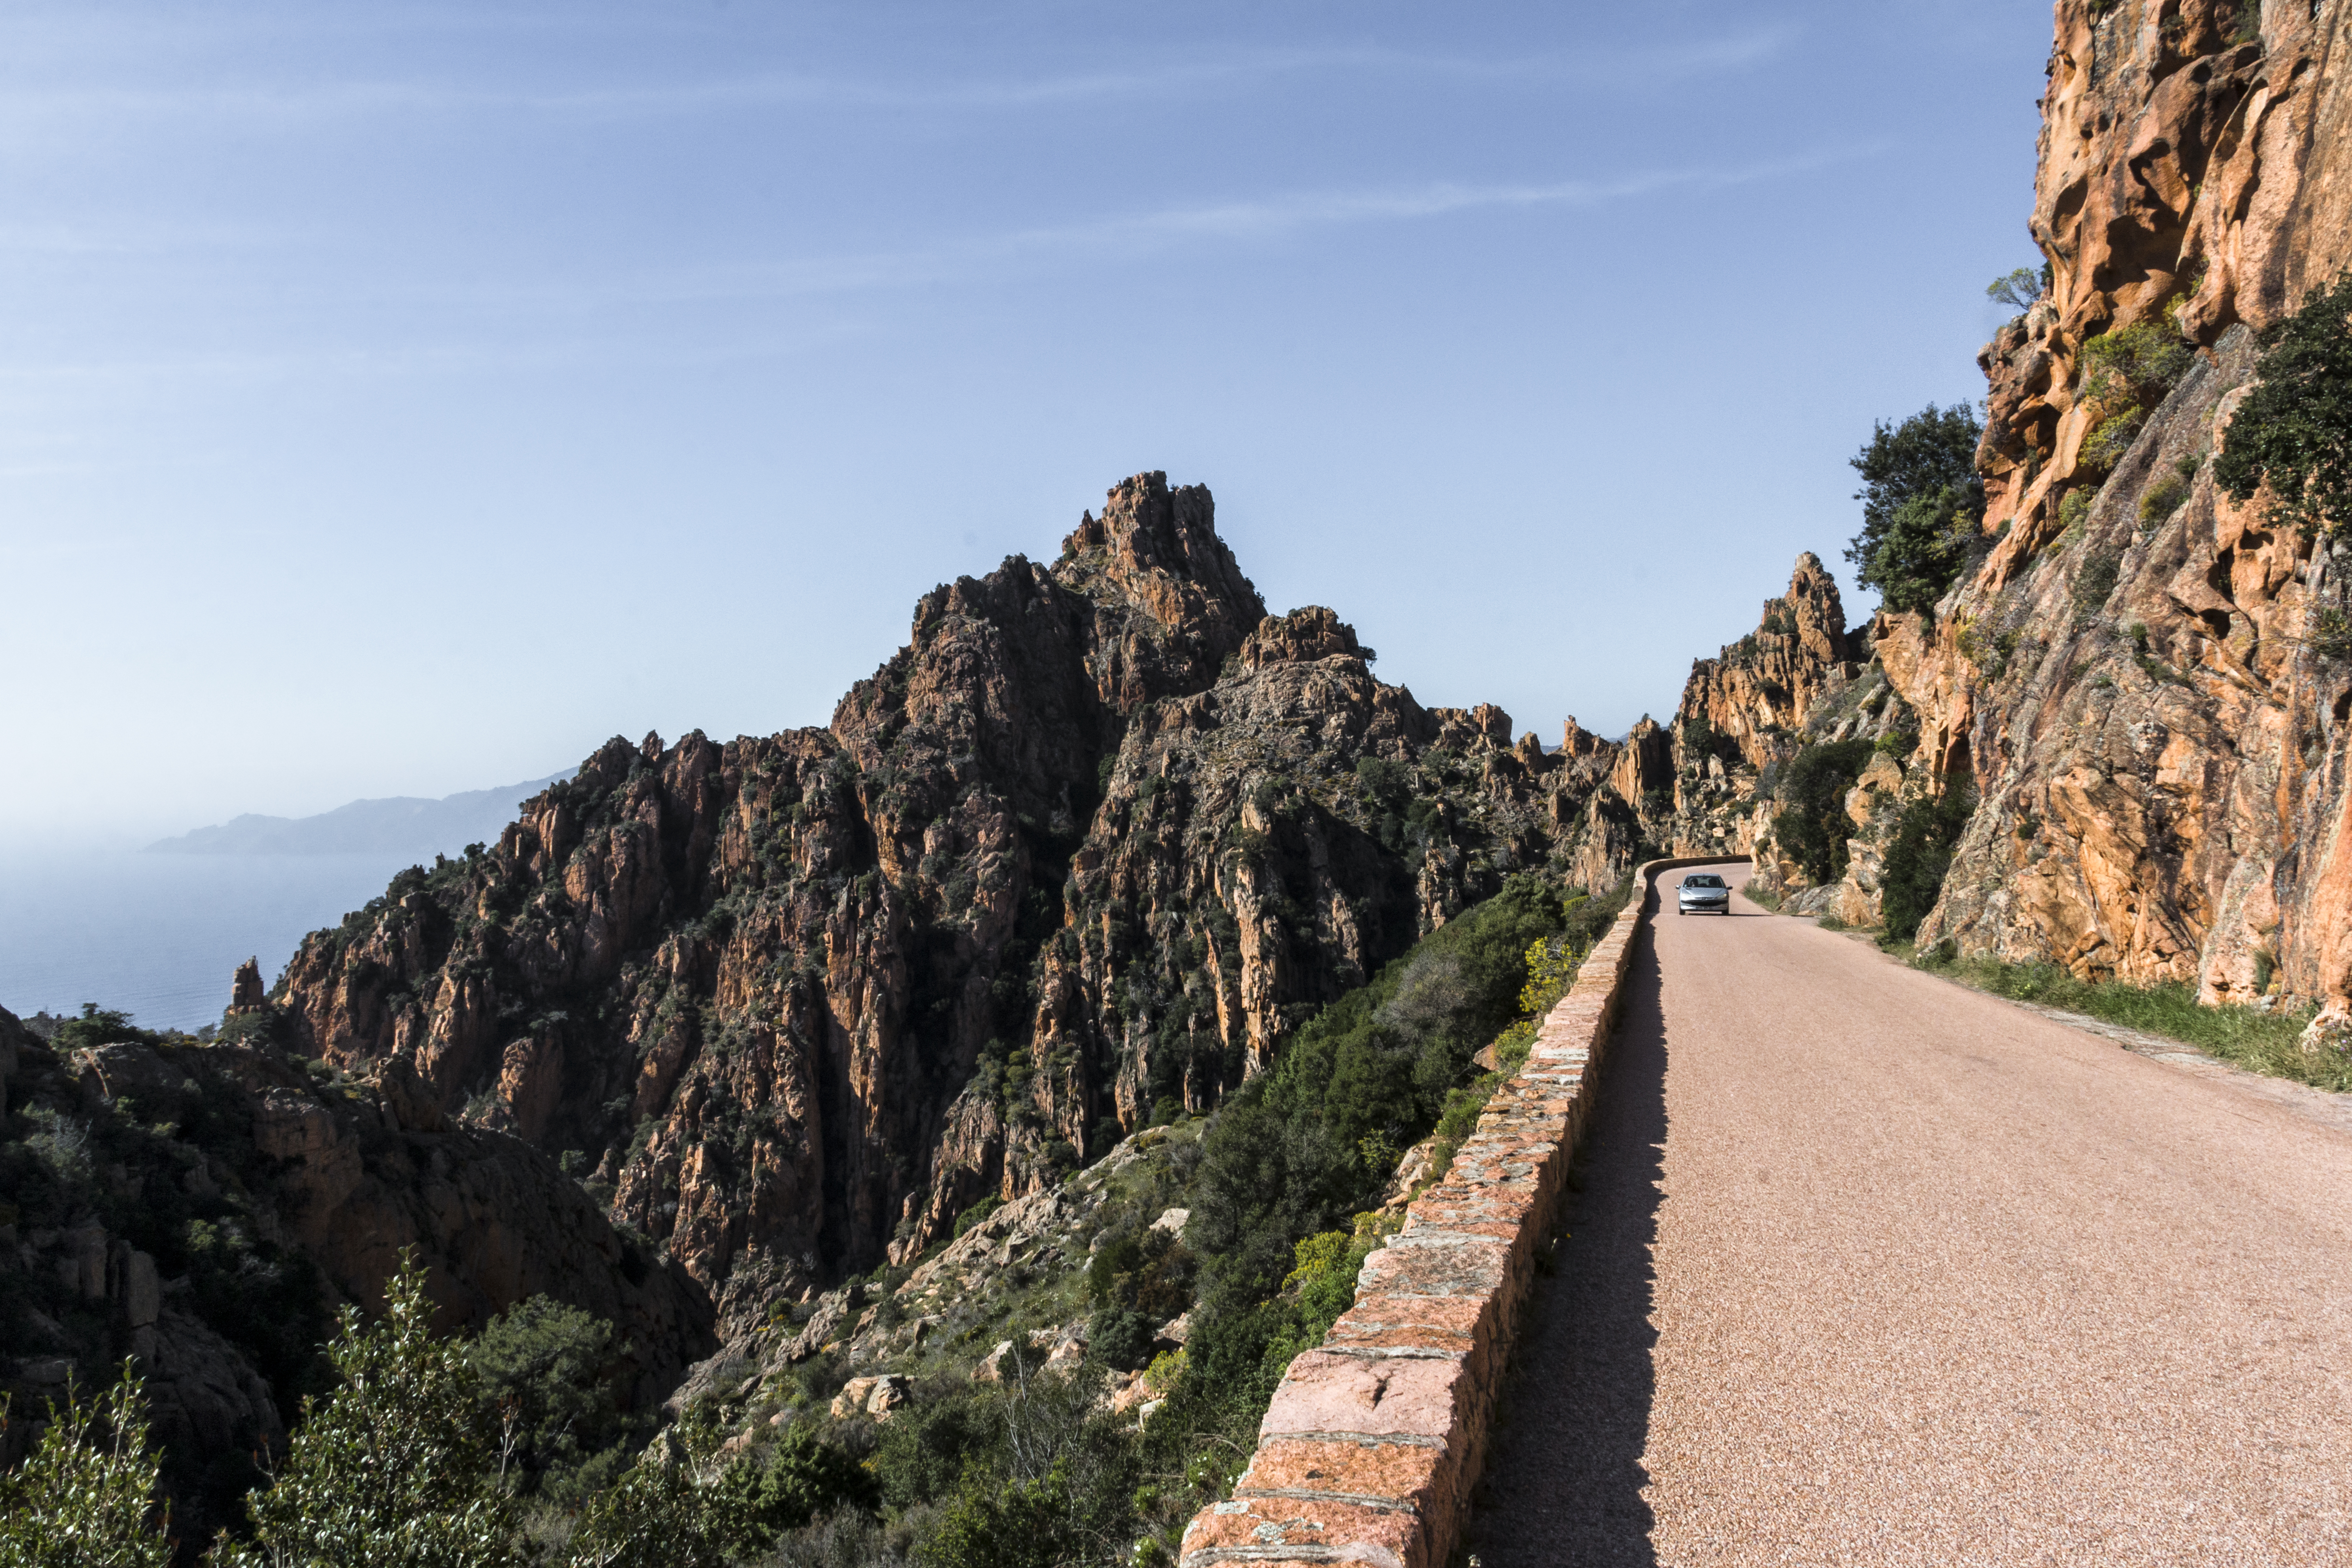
(2125, 676)
(1090, 844)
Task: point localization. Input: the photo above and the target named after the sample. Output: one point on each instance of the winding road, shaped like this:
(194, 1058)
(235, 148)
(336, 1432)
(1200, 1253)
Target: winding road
(1868, 1268)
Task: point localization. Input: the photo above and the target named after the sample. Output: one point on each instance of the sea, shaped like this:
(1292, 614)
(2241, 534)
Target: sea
(160, 936)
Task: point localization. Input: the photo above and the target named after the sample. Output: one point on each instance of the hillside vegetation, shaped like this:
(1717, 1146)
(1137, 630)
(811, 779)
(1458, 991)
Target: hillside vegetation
(1065, 1381)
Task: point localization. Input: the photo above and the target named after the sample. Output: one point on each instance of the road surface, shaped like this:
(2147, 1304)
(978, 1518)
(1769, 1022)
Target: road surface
(1868, 1268)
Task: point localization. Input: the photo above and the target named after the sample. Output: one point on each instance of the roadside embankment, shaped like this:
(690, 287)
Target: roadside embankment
(1371, 1448)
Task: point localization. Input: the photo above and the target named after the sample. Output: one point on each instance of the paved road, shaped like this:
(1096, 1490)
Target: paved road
(1868, 1268)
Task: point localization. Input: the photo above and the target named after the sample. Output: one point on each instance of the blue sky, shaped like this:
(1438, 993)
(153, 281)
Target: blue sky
(400, 399)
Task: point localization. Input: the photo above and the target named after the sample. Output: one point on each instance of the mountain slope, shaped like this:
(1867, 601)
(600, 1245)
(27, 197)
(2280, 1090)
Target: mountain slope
(1092, 841)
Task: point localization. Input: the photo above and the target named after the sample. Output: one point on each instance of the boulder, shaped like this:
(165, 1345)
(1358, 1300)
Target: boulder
(1172, 1334)
(851, 1400)
(876, 1396)
(889, 1392)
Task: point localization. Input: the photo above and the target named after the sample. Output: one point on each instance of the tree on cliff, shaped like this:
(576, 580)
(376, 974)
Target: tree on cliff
(2295, 428)
(2019, 289)
(1921, 505)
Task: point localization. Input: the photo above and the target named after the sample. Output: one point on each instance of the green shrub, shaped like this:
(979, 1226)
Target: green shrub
(2105, 447)
(1032, 1471)
(2139, 364)
(2127, 372)
(546, 1376)
(1324, 1276)
(396, 1466)
(1922, 502)
(658, 1515)
(1008, 1524)
(2074, 507)
(102, 1026)
(85, 1492)
(1911, 874)
(802, 1476)
(1926, 549)
(1811, 826)
(2330, 635)
(1120, 1337)
(1387, 783)
(1698, 737)
(2096, 579)
(2295, 428)
(1380, 1060)
(920, 1454)
(1148, 1272)
(2162, 499)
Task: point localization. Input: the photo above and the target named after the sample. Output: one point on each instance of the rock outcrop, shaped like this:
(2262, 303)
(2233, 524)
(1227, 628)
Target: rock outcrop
(2127, 678)
(1702, 785)
(1091, 842)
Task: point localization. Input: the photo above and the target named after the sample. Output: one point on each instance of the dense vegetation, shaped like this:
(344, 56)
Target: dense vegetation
(1811, 826)
(2295, 428)
(406, 1461)
(1911, 873)
(1922, 502)
(508, 1449)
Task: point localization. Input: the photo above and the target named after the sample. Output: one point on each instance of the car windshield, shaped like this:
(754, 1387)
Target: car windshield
(1702, 882)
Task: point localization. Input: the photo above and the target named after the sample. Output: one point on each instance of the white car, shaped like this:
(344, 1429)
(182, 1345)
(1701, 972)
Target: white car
(1705, 892)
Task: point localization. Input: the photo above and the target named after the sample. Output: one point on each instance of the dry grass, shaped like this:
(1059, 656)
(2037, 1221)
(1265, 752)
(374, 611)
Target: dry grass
(2259, 1042)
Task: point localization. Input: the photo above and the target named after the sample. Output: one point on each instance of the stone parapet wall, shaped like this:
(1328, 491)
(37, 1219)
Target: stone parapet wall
(1373, 1442)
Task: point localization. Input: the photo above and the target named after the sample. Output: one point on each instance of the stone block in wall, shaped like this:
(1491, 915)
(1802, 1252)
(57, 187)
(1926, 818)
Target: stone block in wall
(1336, 1392)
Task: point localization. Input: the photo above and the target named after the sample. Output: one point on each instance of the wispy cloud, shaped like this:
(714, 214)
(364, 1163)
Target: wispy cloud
(1149, 231)
(1651, 64)
(510, 345)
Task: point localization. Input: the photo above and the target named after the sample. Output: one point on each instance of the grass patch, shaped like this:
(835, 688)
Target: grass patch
(2259, 1042)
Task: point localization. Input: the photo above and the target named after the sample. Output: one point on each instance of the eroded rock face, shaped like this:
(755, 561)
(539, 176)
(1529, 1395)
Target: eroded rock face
(2186, 159)
(2159, 754)
(1745, 711)
(1093, 839)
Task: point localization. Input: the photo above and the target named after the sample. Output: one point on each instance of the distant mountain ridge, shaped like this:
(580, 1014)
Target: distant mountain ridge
(397, 824)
